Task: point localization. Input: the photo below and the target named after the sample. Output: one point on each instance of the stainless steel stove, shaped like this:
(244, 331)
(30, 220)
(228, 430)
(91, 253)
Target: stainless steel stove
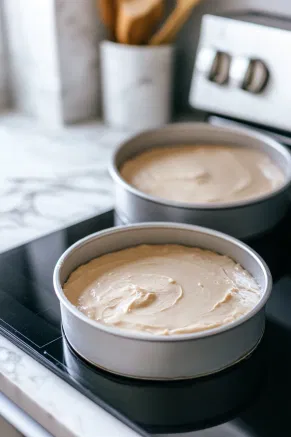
(243, 69)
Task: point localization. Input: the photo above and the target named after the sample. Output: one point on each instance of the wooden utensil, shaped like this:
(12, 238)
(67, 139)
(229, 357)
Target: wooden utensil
(136, 20)
(108, 10)
(174, 22)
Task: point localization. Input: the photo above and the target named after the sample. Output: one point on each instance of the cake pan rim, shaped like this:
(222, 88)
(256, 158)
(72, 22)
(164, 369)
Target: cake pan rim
(204, 206)
(134, 335)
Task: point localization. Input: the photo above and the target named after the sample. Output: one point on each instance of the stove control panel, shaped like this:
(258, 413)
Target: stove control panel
(243, 69)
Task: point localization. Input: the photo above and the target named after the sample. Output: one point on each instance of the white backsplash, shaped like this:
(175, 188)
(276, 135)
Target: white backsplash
(79, 32)
(32, 51)
(53, 58)
(4, 82)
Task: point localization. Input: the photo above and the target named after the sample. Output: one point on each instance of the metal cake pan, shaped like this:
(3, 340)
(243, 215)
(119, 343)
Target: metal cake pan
(242, 219)
(147, 356)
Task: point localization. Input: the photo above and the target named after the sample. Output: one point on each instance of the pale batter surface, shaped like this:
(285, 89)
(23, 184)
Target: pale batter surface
(163, 289)
(206, 173)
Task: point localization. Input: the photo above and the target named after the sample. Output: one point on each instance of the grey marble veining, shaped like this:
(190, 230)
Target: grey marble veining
(45, 397)
(49, 179)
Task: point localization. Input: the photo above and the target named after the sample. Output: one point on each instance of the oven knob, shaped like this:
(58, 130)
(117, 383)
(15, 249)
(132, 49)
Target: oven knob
(249, 74)
(257, 76)
(214, 65)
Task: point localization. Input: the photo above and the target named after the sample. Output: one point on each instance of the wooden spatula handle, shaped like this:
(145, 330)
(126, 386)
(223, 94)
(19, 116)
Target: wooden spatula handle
(174, 22)
(108, 12)
(136, 20)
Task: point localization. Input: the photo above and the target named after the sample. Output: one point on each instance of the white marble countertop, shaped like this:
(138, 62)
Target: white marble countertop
(47, 181)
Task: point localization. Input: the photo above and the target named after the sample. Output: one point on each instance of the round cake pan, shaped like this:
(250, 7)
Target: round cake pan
(147, 356)
(242, 219)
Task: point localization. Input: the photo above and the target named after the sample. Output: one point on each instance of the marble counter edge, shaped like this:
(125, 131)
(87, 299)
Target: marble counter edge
(45, 398)
(19, 420)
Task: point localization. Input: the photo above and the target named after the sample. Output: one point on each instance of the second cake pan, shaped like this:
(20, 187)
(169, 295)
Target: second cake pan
(242, 219)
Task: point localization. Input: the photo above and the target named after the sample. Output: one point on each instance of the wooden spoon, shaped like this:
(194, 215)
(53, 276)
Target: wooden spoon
(108, 11)
(174, 22)
(136, 20)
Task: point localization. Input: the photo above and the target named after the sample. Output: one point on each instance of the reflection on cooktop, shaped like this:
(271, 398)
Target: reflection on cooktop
(169, 407)
(250, 399)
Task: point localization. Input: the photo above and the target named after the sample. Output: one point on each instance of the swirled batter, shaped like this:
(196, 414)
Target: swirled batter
(205, 173)
(163, 289)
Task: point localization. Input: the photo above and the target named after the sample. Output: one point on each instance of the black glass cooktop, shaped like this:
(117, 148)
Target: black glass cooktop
(251, 399)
